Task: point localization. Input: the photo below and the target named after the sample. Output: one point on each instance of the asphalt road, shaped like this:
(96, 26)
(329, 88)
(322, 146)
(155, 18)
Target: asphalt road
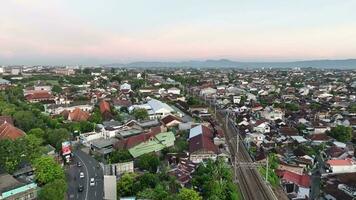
(91, 169)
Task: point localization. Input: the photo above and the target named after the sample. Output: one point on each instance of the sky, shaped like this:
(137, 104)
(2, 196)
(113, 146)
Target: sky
(107, 31)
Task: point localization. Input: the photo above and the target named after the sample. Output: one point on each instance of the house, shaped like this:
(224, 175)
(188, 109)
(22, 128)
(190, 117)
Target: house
(342, 165)
(207, 91)
(58, 109)
(297, 186)
(171, 121)
(102, 146)
(201, 145)
(11, 189)
(39, 96)
(105, 110)
(288, 131)
(272, 114)
(261, 126)
(125, 87)
(256, 138)
(121, 103)
(153, 144)
(319, 138)
(9, 131)
(156, 109)
(87, 138)
(78, 115)
(183, 170)
(173, 90)
(64, 71)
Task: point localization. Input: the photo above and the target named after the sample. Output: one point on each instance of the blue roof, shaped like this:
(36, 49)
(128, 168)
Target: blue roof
(195, 131)
(19, 190)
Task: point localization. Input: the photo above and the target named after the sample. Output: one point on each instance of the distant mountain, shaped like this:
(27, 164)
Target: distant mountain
(330, 64)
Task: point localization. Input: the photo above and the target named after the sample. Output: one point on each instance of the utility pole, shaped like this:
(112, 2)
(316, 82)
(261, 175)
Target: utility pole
(267, 169)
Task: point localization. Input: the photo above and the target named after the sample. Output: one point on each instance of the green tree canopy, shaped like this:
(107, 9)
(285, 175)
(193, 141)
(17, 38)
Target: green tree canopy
(57, 89)
(57, 136)
(149, 162)
(215, 180)
(38, 132)
(120, 156)
(15, 152)
(140, 113)
(25, 120)
(125, 186)
(188, 194)
(47, 170)
(55, 190)
(341, 133)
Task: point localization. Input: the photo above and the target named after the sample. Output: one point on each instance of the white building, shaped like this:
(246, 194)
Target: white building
(207, 91)
(173, 90)
(342, 166)
(87, 138)
(156, 109)
(110, 187)
(125, 86)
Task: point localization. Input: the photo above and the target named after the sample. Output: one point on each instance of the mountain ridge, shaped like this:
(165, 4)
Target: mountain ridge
(226, 63)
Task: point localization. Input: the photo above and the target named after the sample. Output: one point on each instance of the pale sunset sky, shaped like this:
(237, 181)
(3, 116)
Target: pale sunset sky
(107, 31)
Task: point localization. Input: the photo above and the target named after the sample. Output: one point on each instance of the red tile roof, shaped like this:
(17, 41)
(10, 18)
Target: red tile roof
(319, 137)
(104, 107)
(122, 102)
(39, 95)
(300, 180)
(202, 142)
(8, 119)
(137, 139)
(289, 131)
(8, 131)
(169, 118)
(78, 115)
(340, 162)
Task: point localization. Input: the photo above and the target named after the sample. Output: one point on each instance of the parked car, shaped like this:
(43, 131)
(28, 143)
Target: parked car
(81, 175)
(79, 164)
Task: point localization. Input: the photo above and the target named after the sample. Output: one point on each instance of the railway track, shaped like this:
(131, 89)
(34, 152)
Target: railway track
(250, 182)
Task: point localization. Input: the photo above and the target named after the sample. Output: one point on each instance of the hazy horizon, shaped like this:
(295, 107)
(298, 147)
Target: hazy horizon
(87, 32)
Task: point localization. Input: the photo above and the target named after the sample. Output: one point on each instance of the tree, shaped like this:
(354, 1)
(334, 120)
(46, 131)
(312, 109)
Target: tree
(120, 156)
(47, 170)
(147, 180)
(38, 132)
(215, 181)
(149, 162)
(86, 126)
(188, 194)
(292, 107)
(53, 191)
(125, 186)
(193, 101)
(57, 136)
(341, 133)
(31, 146)
(140, 113)
(96, 116)
(10, 155)
(25, 120)
(15, 152)
(57, 89)
(158, 193)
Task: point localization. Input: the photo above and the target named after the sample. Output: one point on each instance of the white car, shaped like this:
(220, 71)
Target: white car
(92, 182)
(81, 175)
